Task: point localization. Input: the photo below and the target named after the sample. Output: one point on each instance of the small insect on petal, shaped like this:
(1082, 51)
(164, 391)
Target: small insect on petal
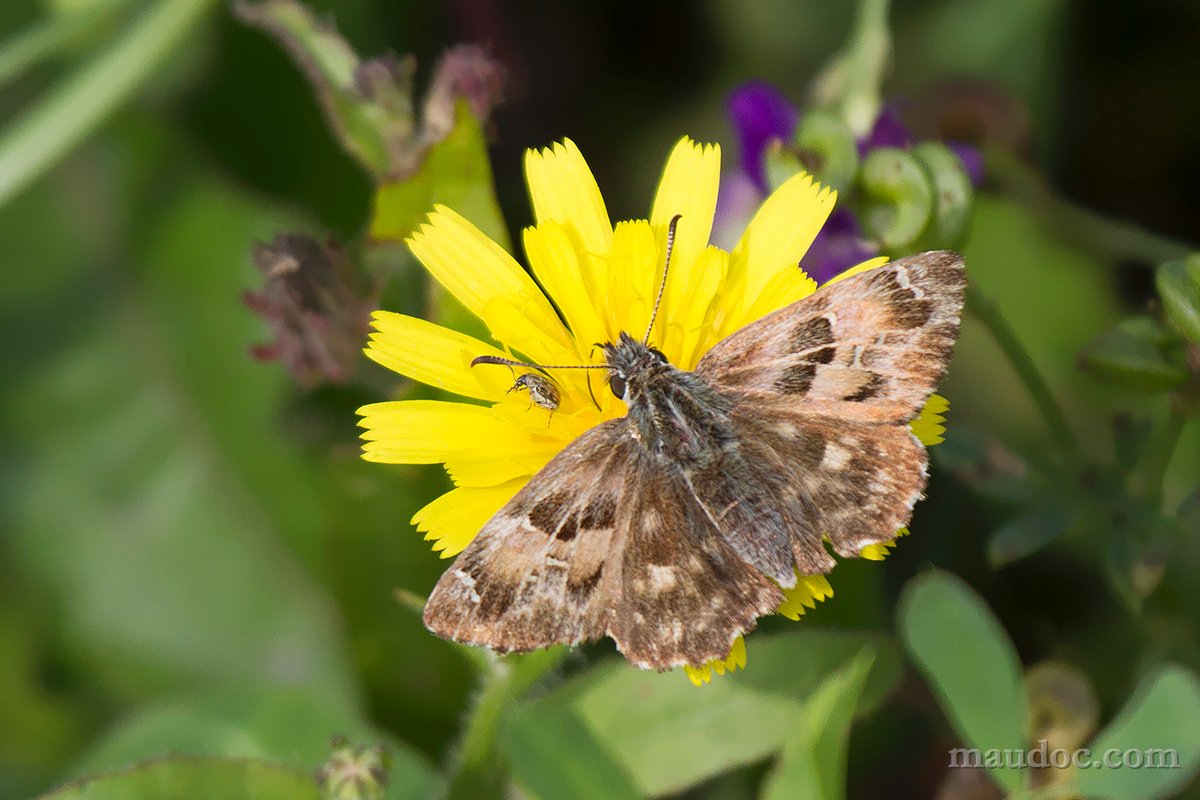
(542, 391)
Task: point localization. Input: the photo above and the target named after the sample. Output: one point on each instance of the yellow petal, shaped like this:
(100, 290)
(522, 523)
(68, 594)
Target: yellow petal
(779, 234)
(563, 190)
(486, 280)
(734, 661)
(632, 270)
(452, 520)
(688, 188)
(785, 288)
(865, 266)
(808, 591)
(435, 356)
(430, 431)
(690, 333)
(878, 552)
(930, 423)
(557, 265)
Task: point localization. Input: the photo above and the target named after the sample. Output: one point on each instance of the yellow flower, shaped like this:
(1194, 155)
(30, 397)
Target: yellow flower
(590, 281)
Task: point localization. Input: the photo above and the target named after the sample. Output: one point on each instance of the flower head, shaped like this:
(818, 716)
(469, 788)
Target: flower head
(590, 282)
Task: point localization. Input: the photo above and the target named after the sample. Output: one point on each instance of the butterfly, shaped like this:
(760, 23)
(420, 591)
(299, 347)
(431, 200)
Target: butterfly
(674, 528)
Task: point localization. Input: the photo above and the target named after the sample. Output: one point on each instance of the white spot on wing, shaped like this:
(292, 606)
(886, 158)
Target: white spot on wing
(836, 457)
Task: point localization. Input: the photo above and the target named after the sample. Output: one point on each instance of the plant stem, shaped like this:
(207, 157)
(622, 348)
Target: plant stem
(984, 309)
(49, 36)
(1113, 239)
(476, 771)
(75, 108)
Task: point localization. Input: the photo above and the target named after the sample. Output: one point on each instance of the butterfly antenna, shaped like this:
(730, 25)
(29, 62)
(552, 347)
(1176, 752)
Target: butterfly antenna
(662, 287)
(508, 362)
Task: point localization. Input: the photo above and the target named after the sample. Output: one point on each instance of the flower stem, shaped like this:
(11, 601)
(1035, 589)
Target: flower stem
(1094, 232)
(75, 108)
(476, 770)
(50, 36)
(984, 309)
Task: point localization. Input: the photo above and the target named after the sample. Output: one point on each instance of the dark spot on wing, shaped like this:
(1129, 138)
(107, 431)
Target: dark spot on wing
(813, 332)
(495, 599)
(911, 312)
(796, 379)
(550, 515)
(871, 388)
(599, 513)
(823, 356)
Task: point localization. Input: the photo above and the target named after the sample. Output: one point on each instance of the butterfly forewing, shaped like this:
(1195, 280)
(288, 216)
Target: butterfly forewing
(602, 541)
(870, 348)
(539, 571)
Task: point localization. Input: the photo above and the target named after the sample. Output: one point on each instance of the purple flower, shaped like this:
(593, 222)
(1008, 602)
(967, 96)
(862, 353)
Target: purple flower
(760, 113)
(971, 159)
(888, 131)
(839, 245)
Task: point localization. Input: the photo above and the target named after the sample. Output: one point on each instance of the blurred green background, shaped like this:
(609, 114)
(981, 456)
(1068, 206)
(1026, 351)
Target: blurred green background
(190, 544)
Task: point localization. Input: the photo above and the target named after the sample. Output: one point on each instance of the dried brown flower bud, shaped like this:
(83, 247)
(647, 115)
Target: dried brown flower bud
(318, 315)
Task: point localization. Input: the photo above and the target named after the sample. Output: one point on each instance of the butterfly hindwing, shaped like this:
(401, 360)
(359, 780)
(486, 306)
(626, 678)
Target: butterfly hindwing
(685, 593)
(854, 484)
(870, 348)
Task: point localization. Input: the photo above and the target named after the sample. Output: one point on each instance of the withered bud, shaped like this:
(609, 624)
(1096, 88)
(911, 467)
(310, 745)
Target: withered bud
(468, 71)
(317, 313)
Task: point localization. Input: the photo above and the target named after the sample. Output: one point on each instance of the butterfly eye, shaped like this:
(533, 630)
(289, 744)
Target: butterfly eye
(617, 384)
(658, 354)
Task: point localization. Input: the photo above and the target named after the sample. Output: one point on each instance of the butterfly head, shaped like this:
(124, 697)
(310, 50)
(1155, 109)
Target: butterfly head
(632, 366)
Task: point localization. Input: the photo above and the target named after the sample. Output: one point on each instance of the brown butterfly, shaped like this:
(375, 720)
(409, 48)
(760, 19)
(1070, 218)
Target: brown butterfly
(673, 528)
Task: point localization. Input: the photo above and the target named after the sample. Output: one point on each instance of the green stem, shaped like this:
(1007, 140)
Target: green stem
(984, 309)
(50, 36)
(1094, 232)
(476, 771)
(75, 108)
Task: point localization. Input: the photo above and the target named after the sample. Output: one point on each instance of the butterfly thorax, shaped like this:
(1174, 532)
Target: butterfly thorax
(675, 415)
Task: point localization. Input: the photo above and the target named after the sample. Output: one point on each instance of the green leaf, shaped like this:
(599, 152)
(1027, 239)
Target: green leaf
(970, 664)
(668, 735)
(1137, 355)
(553, 754)
(457, 173)
(813, 761)
(1161, 716)
(194, 779)
(282, 725)
(1138, 551)
(1179, 288)
(1027, 534)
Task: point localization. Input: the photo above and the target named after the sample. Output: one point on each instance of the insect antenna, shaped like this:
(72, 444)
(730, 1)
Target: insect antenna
(662, 286)
(508, 362)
